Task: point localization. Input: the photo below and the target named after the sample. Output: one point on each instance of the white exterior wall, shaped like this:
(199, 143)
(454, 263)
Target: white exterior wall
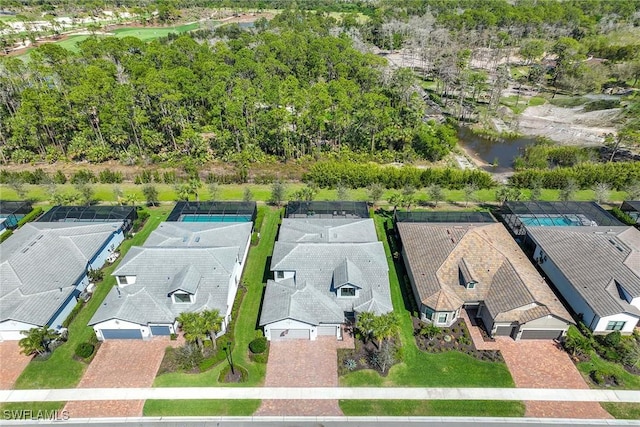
(290, 324)
(573, 298)
(234, 281)
(631, 322)
(547, 322)
(10, 330)
(57, 322)
(287, 275)
(113, 244)
(120, 324)
(452, 316)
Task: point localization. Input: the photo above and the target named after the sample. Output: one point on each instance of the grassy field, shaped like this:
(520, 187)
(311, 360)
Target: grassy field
(201, 408)
(245, 328)
(151, 33)
(444, 408)
(61, 370)
(623, 411)
(519, 104)
(104, 193)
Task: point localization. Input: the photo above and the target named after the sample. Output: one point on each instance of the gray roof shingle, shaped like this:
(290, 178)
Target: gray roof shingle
(591, 258)
(203, 271)
(321, 263)
(41, 264)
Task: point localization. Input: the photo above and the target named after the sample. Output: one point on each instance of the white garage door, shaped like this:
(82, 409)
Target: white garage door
(290, 334)
(327, 331)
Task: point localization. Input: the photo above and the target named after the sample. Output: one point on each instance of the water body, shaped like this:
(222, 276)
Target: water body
(503, 150)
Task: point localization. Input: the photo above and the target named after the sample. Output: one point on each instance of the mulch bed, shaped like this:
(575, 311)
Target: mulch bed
(362, 357)
(454, 338)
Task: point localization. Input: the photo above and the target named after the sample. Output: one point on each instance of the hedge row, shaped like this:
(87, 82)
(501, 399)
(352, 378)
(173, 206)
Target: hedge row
(620, 175)
(358, 175)
(35, 213)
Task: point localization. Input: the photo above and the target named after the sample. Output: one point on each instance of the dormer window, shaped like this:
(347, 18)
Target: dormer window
(471, 284)
(347, 291)
(182, 298)
(279, 274)
(122, 280)
(465, 275)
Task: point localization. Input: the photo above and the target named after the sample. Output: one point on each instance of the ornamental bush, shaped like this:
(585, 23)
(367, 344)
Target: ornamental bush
(258, 345)
(84, 350)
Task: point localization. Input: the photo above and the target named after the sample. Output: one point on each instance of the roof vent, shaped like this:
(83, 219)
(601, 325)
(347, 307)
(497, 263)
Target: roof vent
(198, 239)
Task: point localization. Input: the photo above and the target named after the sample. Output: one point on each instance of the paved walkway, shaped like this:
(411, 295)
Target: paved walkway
(303, 363)
(12, 363)
(541, 364)
(119, 364)
(319, 393)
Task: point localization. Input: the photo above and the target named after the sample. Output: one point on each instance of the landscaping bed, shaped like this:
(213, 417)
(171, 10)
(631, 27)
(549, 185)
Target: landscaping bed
(370, 355)
(454, 338)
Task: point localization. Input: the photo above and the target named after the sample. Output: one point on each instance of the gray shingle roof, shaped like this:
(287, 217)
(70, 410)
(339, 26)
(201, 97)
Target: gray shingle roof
(160, 270)
(591, 257)
(41, 264)
(327, 230)
(320, 266)
(436, 253)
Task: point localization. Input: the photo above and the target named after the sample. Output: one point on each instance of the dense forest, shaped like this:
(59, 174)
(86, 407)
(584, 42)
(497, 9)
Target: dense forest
(284, 91)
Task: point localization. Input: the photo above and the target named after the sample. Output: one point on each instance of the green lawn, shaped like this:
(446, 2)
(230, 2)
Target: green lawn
(61, 370)
(245, 328)
(152, 33)
(420, 369)
(201, 408)
(446, 408)
(105, 193)
(19, 410)
(519, 103)
(625, 411)
(630, 381)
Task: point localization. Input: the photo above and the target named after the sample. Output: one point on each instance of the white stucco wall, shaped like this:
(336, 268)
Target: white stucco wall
(573, 298)
(287, 275)
(630, 323)
(131, 280)
(10, 330)
(290, 324)
(119, 324)
(547, 322)
(110, 247)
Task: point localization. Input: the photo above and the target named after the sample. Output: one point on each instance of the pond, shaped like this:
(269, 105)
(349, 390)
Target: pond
(504, 151)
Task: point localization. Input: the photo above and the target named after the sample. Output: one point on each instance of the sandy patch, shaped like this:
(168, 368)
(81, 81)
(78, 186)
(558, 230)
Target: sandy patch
(570, 126)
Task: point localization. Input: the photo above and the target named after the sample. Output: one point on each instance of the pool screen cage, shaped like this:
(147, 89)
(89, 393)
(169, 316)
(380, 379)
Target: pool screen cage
(518, 215)
(225, 211)
(13, 211)
(127, 214)
(444, 217)
(632, 208)
(326, 209)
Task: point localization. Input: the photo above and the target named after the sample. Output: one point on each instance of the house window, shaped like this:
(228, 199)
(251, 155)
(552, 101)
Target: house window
(182, 297)
(280, 274)
(428, 313)
(122, 280)
(471, 285)
(347, 292)
(615, 326)
(442, 317)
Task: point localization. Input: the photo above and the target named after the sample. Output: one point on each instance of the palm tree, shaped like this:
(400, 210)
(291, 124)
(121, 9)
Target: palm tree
(213, 324)
(365, 322)
(37, 340)
(193, 326)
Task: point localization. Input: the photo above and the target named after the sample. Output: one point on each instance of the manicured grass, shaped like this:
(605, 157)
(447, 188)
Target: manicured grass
(233, 408)
(458, 408)
(245, 328)
(61, 370)
(104, 193)
(522, 102)
(29, 410)
(625, 411)
(629, 381)
(71, 42)
(450, 369)
(152, 33)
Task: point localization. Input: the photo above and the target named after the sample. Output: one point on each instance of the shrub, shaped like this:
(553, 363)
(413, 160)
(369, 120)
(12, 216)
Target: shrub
(622, 216)
(260, 358)
(612, 339)
(35, 213)
(5, 235)
(59, 177)
(83, 176)
(95, 275)
(110, 177)
(350, 364)
(72, 315)
(188, 357)
(173, 337)
(84, 350)
(258, 345)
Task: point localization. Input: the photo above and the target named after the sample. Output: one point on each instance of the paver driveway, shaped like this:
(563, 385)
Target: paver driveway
(12, 363)
(300, 363)
(120, 363)
(541, 364)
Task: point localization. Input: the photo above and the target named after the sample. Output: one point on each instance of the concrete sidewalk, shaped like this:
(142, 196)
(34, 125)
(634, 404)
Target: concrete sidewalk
(295, 393)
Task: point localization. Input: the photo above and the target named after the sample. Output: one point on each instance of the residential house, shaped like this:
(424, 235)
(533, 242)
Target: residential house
(183, 266)
(44, 267)
(478, 266)
(325, 272)
(596, 270)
